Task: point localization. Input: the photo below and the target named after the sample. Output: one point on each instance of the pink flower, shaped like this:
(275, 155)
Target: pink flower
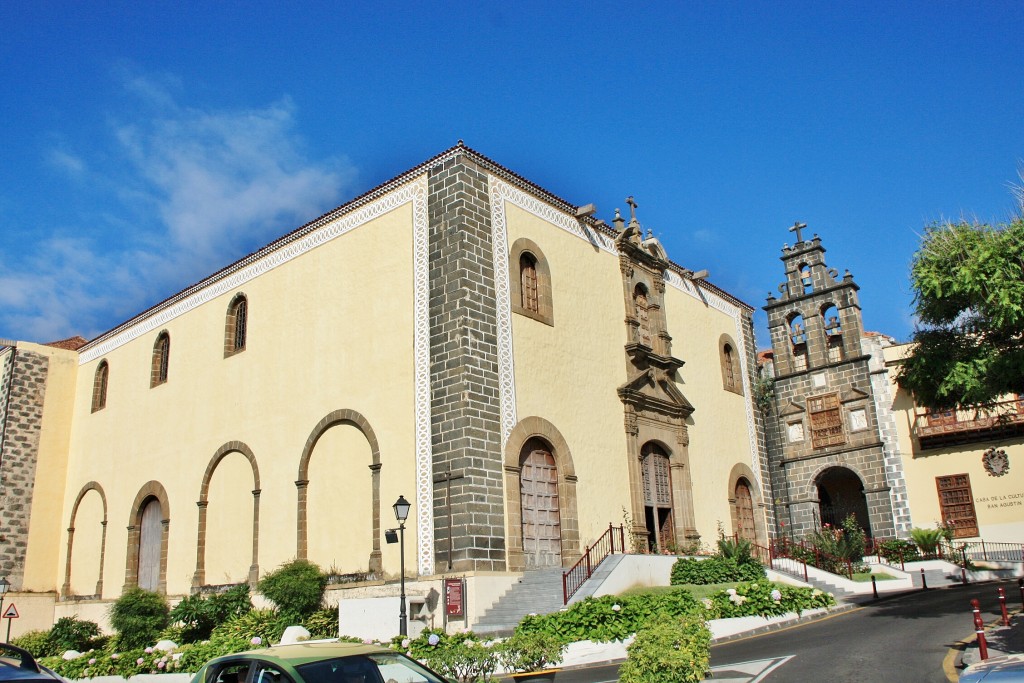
(160, 665)
(140, 661)
(256, 640)
(115, 656)
(148, 650)
(433, 639)
(92, 661)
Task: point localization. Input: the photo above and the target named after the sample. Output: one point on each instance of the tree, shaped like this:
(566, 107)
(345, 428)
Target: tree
(969, 295)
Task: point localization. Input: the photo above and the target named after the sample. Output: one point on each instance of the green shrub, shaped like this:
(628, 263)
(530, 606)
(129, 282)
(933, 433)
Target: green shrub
(765, 599)
(296, 587)
(530, 651)
(458, 656)
(72, 633)
(855, 539)
(139, 616)
(198, 615)
(899, 550)
(322, 623)
(715, 569)
(738, 549)
(264, 624)
(669, 650)
(36, 642)
(610, 617)
(927, 539)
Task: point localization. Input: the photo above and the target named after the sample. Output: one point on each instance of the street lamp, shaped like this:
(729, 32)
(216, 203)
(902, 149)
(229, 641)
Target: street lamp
(401, 507)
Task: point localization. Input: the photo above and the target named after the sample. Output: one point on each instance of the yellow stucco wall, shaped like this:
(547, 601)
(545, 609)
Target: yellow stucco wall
(323, 329)
(998, 501)
(45, 529)
(567, 374)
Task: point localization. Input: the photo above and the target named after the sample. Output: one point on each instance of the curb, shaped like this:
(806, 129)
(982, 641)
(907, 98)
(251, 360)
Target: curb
(840, 608)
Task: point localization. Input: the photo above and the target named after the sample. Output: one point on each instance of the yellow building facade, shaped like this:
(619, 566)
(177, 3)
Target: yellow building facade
(523, 372)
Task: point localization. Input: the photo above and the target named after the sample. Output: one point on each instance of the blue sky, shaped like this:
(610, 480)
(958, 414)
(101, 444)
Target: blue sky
(146, 145)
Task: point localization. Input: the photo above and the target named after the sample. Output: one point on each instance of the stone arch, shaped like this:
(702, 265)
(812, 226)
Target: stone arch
(154, 490)
(841, 490)
(539, 428)
(91, 486)
(741, 472)
(351, 417)
(199, 578)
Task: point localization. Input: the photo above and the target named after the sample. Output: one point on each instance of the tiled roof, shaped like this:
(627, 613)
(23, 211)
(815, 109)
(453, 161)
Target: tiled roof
(71, 343)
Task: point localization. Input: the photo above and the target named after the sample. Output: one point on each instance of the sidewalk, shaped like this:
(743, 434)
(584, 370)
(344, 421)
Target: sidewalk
(1002, 640)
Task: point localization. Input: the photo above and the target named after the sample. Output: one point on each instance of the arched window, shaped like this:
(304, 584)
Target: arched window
(643, 315)
(161, 359)
(99, 386)
(728, 356)
(528, 278)
(236, 325)
(530, 282)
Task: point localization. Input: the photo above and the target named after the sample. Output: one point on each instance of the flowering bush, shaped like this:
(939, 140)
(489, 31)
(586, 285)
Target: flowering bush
(766, 599)
(598, 619)
(530, 651)
(460, 657)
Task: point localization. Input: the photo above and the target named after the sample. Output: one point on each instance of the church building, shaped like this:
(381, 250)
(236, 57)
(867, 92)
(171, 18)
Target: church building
(523, 372)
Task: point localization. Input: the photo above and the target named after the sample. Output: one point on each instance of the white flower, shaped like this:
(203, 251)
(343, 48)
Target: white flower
(731, 591)
(616, 608)
(256, 640)
(114, 656)
(406, 642)
(140, 661)
(92, 660)
(148, 650)
(815, 593)
(776, 595)
(707, 603)
(433, 639)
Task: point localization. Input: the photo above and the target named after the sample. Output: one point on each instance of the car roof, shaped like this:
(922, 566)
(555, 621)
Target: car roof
(303, 653)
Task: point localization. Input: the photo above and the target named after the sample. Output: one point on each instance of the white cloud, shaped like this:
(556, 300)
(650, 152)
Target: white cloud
(190, 190)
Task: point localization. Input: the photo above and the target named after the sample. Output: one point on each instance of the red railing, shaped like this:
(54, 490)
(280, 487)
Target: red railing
(577, 575)
(785, 548)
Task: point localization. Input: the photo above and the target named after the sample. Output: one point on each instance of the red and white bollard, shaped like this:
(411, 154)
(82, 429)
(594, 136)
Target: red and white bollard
(1002, 607)
(979, 630)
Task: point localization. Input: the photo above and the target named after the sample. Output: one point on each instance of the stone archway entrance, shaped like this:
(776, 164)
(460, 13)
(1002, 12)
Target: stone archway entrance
(538, 485)
(841, 494)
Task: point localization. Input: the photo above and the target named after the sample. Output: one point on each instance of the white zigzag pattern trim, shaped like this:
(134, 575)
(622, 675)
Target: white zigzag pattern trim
(499, 192)
(421, 353)
(328, 232)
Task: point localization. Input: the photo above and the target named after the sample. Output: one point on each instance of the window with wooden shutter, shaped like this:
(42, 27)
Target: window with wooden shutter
(826, 421)
(957, 504)
(528, 274)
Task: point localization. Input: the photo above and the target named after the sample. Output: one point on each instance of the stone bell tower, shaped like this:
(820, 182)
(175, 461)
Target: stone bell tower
(827, 458)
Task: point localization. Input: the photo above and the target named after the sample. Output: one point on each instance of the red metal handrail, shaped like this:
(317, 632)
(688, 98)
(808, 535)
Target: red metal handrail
(577, 575)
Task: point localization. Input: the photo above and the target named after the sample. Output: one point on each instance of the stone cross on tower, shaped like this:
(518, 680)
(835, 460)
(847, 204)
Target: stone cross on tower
(632, 207)
(797, 227)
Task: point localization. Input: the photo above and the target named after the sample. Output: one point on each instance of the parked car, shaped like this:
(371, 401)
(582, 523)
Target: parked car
(19, 665)
(318, 662)
(1005, 669)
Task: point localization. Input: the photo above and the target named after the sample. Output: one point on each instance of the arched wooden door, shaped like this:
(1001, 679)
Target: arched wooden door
(538, 481)
(745, 512)
(150, 542)
(657, 498)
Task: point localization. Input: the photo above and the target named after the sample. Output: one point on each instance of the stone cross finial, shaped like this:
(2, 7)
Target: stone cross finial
(632, 207)
(797, 227)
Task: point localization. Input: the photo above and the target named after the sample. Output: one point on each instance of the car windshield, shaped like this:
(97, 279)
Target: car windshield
(385, 667)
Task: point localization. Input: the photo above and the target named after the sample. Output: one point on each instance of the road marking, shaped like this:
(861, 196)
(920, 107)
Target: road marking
(747, 672)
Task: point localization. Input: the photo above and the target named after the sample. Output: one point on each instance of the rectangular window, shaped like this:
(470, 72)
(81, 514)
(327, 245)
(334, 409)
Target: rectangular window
(826, 421)
(957, 503)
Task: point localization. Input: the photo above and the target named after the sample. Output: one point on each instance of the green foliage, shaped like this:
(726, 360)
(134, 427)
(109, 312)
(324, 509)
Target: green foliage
(264, 624)
(36, 642)
(837, 545)
(738, 549)
(764, 391)
(969, 284)
(460, 656)
(198, 615)
(927, 540)
(531, 651)
(765, 598)
(296, 587)
(855, 540)
(715, 569)
(899, 550)
(669, 650)
(322, 623)
(610, 617)
(72, 633)
(139, 616)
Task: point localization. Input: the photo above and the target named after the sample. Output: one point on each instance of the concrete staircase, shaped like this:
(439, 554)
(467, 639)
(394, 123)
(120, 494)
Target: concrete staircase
(538, 591)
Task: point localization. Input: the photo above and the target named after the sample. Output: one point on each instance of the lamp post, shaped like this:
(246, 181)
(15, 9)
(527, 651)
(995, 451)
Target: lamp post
(5, 585)
(401, 507)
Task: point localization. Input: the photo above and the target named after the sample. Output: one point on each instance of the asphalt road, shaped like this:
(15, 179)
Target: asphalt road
(902, 639)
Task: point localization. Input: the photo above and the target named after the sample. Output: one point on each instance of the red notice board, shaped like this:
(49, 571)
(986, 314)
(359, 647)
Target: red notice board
(454, 597)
